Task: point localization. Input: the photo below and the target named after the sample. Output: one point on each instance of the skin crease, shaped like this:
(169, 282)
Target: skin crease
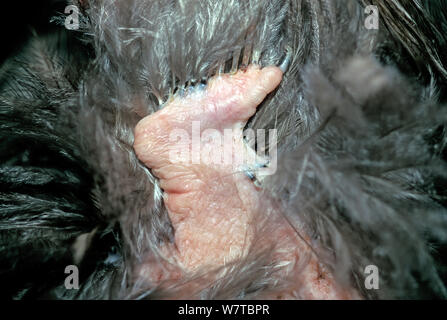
(214, 207)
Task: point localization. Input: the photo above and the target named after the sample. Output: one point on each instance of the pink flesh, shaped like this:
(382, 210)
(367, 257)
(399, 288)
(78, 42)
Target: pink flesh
(213, 208)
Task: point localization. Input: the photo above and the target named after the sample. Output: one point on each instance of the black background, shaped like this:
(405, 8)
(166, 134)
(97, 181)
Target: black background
(19, 19)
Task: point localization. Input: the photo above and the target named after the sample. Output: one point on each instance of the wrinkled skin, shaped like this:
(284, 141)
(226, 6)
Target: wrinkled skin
(213, 206)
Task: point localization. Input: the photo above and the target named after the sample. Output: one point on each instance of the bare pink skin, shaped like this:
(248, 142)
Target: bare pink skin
(213, 208)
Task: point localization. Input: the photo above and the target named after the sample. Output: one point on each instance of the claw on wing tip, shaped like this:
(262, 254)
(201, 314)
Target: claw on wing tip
(286, 60)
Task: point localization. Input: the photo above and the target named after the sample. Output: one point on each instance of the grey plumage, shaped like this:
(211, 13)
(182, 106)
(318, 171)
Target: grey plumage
(360, 130)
